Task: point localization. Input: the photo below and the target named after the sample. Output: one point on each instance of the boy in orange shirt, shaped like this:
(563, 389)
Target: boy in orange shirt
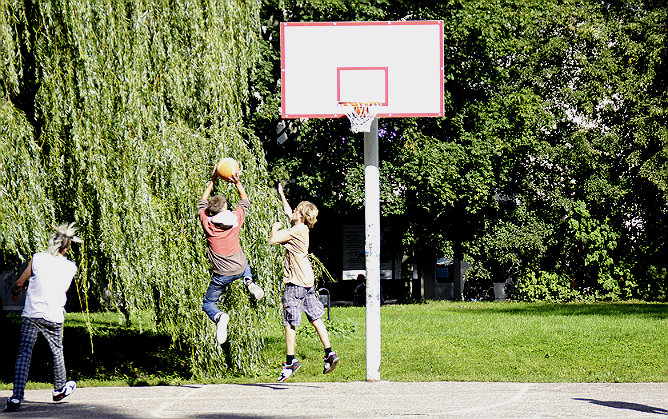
(228, 261)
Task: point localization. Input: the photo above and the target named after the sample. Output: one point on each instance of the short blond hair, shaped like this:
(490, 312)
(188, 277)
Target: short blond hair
(309, 211)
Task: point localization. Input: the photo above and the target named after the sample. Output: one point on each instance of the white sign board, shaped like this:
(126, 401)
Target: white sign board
(399, 64)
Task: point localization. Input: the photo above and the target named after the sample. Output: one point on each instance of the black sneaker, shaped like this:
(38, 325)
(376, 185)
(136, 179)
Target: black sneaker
(67, 389)
(12, 405)
(288, 370)
(330, 362)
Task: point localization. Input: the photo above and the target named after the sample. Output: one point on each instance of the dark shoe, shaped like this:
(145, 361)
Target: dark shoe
(330, 362)
(67, 389)
(288, 370)
(12, 405)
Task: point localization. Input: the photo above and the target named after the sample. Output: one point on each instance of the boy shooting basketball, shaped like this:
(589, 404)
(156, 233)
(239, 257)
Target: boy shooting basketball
(299, 293)
(226, 256)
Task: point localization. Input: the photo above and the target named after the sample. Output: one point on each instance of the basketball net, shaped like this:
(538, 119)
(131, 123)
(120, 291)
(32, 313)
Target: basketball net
(360, 114)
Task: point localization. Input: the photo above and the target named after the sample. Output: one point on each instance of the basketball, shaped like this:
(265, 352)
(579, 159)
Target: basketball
(227, 167)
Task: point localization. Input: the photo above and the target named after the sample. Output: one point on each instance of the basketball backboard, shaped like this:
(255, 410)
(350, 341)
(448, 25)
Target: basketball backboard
(399, 64)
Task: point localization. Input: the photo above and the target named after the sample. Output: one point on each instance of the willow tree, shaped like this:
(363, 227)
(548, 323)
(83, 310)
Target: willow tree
(113, 114)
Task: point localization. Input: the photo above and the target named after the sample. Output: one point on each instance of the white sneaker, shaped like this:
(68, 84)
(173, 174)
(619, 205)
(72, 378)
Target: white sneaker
(221, 327)
(255, 289)
(67, 389)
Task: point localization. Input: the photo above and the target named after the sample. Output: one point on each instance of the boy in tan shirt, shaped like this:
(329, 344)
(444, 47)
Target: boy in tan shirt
(299, 293)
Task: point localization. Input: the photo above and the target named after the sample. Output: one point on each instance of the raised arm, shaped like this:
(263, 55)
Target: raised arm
(286, 206)
(240, 188)
(212, 182)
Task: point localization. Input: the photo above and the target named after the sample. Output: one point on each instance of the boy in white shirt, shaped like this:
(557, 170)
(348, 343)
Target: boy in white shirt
(47, 278)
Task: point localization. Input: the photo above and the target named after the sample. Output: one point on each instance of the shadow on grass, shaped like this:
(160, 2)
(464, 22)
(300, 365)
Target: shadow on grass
(118, 353)
(650, 310)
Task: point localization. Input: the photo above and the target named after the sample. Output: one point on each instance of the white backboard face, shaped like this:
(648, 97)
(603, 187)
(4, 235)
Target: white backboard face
(399, 64)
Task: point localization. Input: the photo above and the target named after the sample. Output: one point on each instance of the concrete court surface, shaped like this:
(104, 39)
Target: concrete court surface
(358, 399)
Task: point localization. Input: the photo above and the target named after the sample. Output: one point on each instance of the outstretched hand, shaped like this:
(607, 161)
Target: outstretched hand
(279, 186)
(16, 292)
(286, 207)
(235, 178)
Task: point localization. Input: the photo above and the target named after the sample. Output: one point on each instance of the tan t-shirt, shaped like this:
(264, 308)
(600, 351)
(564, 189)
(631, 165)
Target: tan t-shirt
(296, 268)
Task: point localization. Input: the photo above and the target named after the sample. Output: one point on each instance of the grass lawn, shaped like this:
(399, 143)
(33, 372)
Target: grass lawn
(435, 341)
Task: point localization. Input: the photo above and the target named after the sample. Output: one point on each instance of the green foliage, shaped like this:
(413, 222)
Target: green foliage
(12, 39)
(136, 102)
(319, 270)
(23, 195)
(335, 329)
(595, 243)
(657, 283)
(550, 165)
(448, 341)
(545, 286)
(548, 106)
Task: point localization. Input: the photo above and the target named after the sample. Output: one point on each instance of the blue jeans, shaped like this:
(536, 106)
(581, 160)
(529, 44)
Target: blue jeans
(217, 287)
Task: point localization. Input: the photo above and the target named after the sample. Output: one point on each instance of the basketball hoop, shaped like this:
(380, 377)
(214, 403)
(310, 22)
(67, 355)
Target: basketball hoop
(360, 114)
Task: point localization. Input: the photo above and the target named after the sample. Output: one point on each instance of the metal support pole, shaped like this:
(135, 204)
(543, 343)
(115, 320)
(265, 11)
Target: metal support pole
(328, 300)
(372, 251)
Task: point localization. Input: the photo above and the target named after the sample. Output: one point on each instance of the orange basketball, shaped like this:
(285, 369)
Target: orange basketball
(227, 167)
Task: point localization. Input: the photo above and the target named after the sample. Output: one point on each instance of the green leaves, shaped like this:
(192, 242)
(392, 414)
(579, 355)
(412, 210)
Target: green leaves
(26, 212)
(548, 105)
(12, 39)
(136, 103)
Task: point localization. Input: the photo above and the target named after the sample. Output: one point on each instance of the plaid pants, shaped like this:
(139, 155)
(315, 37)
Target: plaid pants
(53, 332)
(297, 299)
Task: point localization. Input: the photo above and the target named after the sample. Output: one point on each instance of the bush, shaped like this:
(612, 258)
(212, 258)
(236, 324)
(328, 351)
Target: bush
(544, 286)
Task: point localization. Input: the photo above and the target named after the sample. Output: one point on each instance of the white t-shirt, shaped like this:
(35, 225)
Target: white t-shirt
(47, 290)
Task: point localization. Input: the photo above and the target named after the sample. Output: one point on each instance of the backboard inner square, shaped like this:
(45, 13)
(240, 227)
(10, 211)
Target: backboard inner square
(362, 84)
